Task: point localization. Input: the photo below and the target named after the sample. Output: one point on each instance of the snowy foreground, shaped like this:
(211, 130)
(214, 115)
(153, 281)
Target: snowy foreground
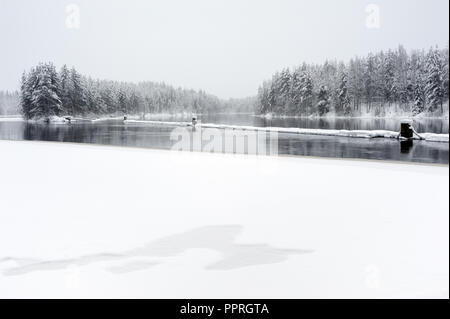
(95, 221)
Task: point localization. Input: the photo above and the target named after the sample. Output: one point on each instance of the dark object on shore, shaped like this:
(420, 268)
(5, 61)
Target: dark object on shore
(68, 119)
(406, 130)
(194, 121)
(405, 146)
(125, 118)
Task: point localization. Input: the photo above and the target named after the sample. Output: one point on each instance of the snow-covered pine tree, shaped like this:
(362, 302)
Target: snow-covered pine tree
(323, 100)
(45, 101)
(285, 81)
(434, 84)
(410, 81)
(263, 105)
(416, 83)
(273, 94)
(401, 76)
(304, 90)
(388, 85)
(284, 87)
(419, 99)
(122, 101)
(445, 73)
(25, 95)
(107, 94)
(355, 82)
(294, 92)
(77, 94)
(343, 105)
(369, 80)
(64, 78)
(94, 100)
(307, 93)
(136, 104)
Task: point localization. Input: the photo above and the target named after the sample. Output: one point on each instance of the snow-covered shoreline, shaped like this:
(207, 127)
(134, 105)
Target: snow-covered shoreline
(11, 119)
(400, 116)
(100, 221)
(431, 137)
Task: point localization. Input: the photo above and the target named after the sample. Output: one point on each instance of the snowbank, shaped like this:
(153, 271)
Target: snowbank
(135, 223)
(52, 119)
(432, 137)
(151, 116)
(163, 116)
(102, 119)
(58, 119)
(160, 123)
(11, 119)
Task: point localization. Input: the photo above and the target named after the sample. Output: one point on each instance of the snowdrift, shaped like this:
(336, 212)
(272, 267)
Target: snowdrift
(140, 223)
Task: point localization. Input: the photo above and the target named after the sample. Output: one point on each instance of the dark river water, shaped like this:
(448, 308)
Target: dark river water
(114, 132)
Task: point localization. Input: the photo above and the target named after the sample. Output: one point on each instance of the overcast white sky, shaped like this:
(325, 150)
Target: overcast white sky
(226, 47)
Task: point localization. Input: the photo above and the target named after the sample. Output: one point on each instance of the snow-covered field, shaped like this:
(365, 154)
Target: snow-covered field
(93, 221)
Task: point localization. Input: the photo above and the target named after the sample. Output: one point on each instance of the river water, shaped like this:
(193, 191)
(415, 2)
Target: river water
(115, 132)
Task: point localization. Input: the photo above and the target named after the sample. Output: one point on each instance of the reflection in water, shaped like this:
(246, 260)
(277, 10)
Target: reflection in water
(141, 135)
(405, 146)
(217, 238)
(345, 147)
(421, 125)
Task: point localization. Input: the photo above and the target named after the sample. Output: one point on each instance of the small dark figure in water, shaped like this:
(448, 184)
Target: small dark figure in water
(125, 118)
(194, 121)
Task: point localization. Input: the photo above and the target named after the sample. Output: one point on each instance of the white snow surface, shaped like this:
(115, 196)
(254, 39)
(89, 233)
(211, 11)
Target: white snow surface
(432, 137)
(11, 119)
(58, 119)
(52, 119)
(109, 118)
(160, 123)
(96, 221)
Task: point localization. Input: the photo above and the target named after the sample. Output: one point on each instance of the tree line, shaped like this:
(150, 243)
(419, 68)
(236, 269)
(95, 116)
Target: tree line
(381, 84)
(45, 92)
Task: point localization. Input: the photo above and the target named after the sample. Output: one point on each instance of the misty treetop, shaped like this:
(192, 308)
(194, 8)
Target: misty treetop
(9, 103)
(386, 83)
(46, 92)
